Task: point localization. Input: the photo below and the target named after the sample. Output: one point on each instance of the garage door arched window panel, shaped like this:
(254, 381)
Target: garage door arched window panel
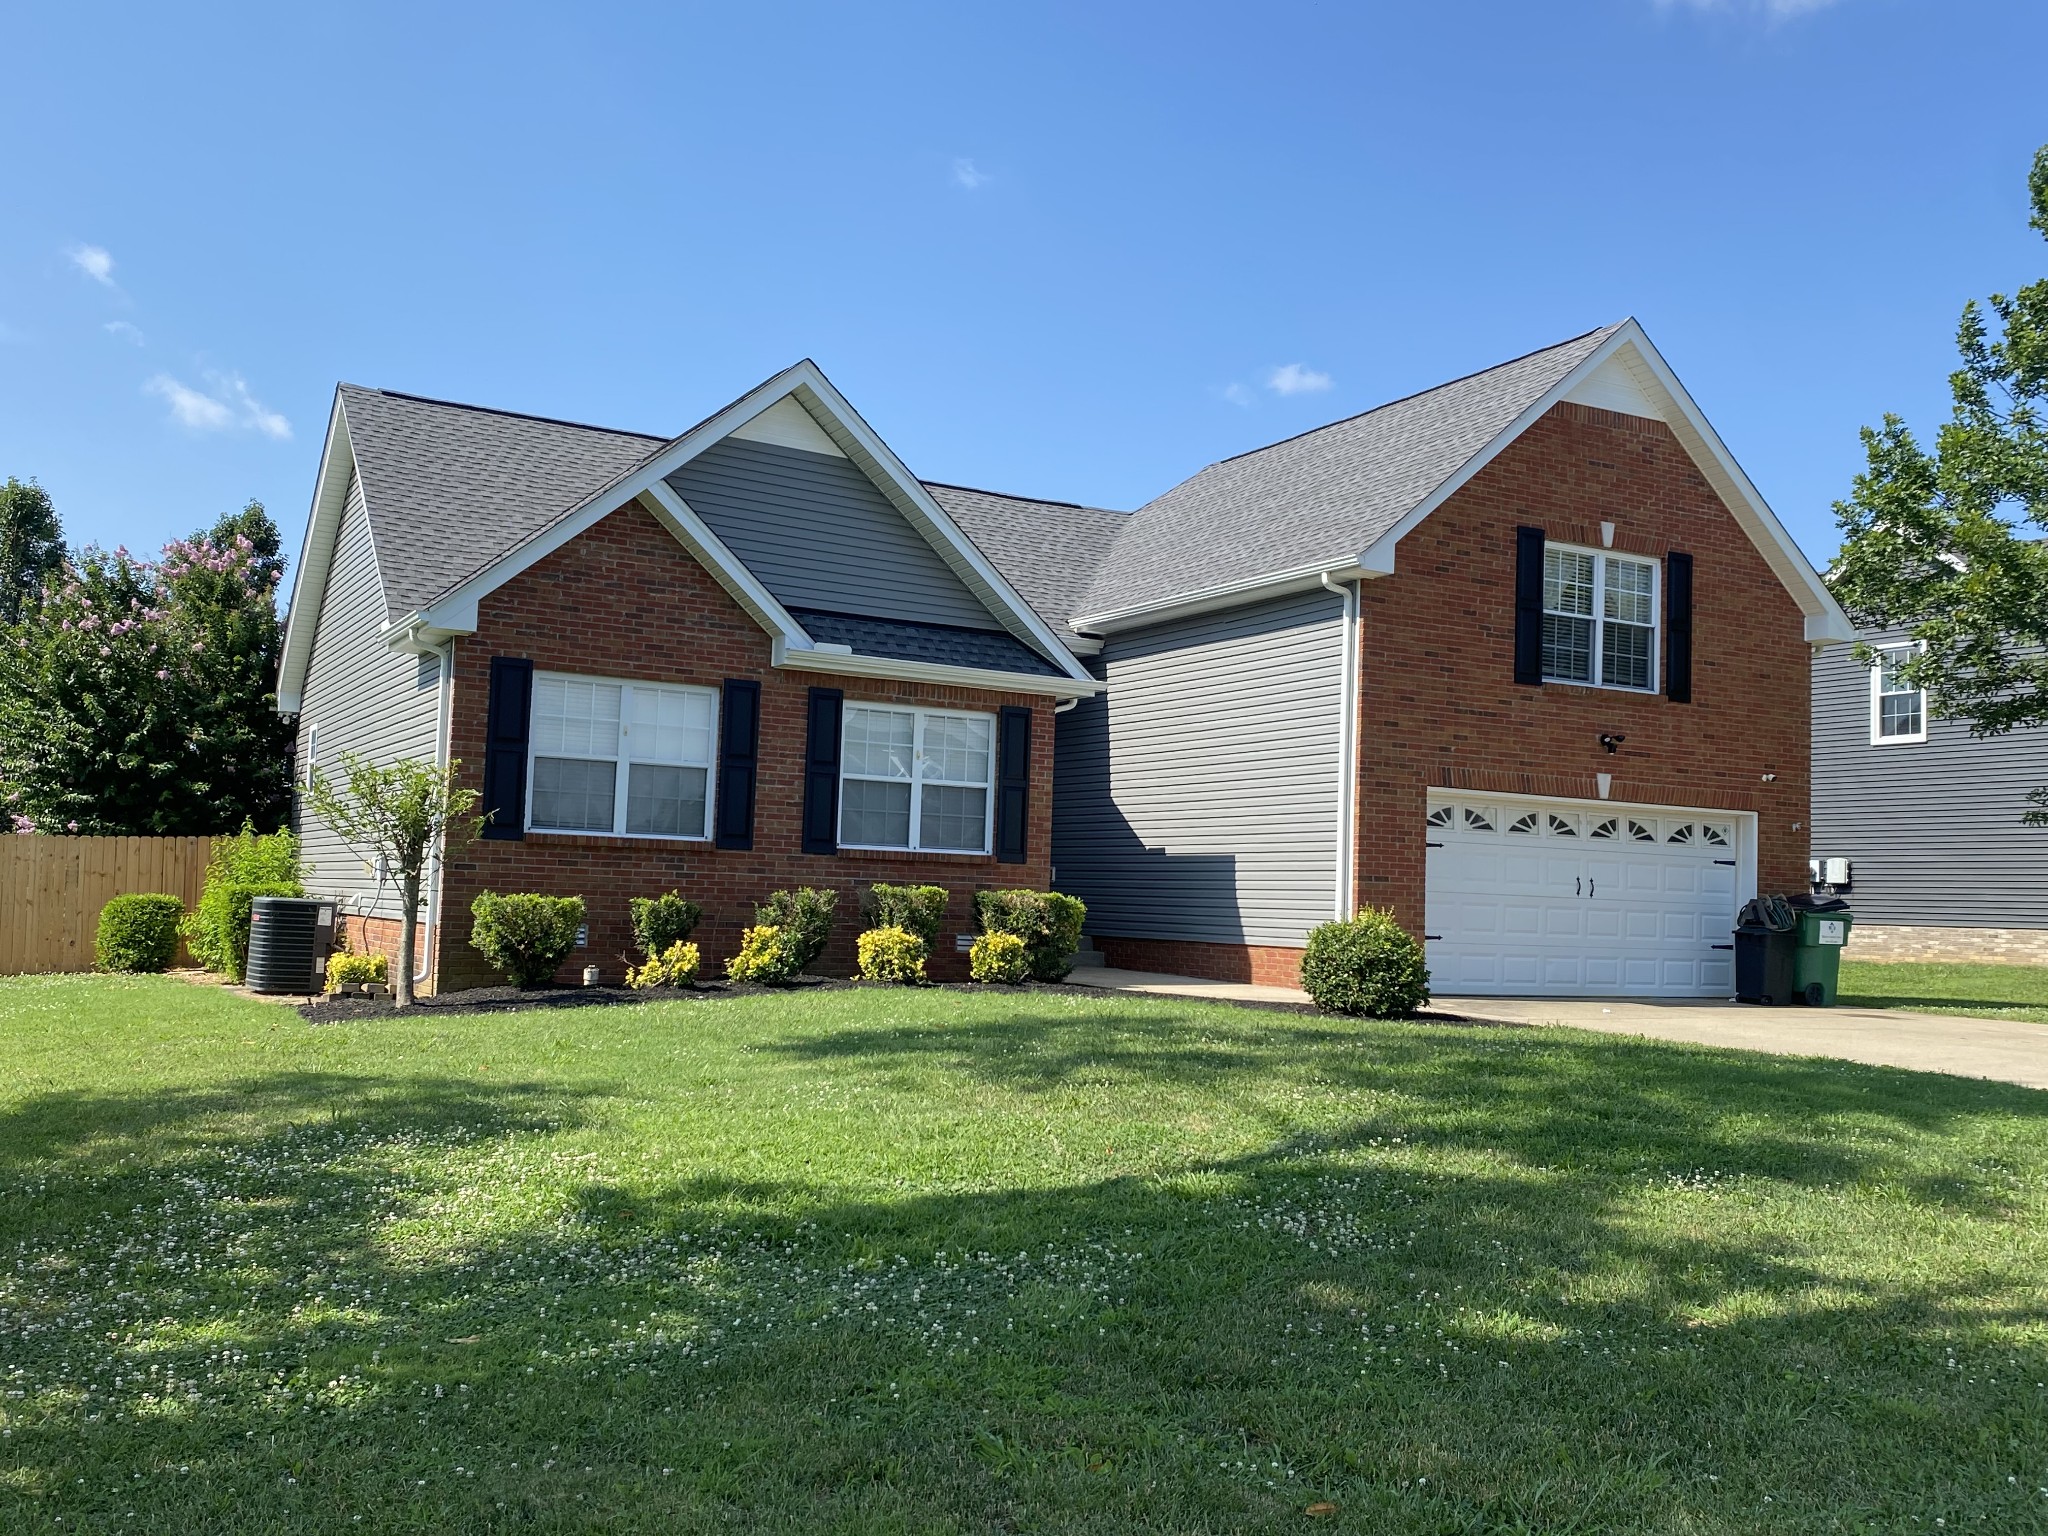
(916, 779)
(1608, 829)
(1562, 826)
(628, 759)
(1440, 816)
(1599, 619)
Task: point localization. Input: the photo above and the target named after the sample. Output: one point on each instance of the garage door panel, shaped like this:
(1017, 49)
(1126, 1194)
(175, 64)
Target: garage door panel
(1531, 901)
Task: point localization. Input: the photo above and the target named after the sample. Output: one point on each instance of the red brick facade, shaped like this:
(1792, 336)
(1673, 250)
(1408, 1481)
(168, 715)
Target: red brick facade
(1440, 707)
(625, 600)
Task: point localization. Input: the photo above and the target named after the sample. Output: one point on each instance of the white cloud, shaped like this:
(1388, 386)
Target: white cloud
(225, 405)
(1236, 394)
(1294, 379)
(125, 331)
(967, 175)
(95, 262)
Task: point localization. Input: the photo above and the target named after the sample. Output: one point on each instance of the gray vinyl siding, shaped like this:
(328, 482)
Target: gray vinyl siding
(1933, 827)
(364, 698)
(1197, 798)
(818, 534)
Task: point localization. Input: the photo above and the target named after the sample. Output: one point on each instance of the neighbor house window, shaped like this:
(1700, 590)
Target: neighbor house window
(915, 778)
(627, 758)
(1599, 619)
(1898, 710)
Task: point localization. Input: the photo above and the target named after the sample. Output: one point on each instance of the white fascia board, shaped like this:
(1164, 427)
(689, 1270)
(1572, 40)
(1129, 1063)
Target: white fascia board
(316, 555)
(861, 443)
(812, 659)
(1826, 624)
(1231, 595)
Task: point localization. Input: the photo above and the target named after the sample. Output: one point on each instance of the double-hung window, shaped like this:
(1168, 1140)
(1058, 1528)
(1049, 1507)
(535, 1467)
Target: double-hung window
(633, 759)
(916, 778)
(1898, 710)
(1599, 619)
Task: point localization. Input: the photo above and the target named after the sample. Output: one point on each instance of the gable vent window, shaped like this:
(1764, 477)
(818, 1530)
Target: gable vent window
(631, 759)
(1599, 619)
(916, 778)
(1898, 710)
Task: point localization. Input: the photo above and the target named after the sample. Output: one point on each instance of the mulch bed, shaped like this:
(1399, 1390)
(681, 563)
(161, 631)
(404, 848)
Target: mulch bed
(336, 1010)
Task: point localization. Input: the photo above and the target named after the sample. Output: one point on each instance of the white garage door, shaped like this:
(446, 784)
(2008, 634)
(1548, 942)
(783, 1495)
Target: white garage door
(1527, 898)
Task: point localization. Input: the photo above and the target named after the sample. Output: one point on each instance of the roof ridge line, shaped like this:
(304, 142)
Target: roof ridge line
(494, 410)
(1417, 394)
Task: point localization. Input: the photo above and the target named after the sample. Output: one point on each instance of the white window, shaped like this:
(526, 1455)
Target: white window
(1599, 619)
(916, 778)
(1898, 710)
(627, 758)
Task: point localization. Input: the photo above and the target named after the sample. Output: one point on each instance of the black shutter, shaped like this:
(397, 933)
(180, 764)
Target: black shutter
(739, 750)
(1678, 627)
(1529, 605)
(1013, 786)
(821, 771)
(506, 714)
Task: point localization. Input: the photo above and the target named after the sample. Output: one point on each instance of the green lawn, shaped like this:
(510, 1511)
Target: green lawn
(1982, 991)
(893, 1261)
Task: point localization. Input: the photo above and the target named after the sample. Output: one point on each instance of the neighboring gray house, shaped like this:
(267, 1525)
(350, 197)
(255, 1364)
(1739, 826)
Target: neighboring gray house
(1917, 822)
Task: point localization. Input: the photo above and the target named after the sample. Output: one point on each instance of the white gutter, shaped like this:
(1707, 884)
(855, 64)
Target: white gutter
(423, 963)
(1347, 751)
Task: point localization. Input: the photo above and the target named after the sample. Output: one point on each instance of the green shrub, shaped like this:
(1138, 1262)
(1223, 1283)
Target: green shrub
(233, 903)
(342, 969)
(893, 954)
(764, 957)
(1048, 922)
(1368, 964)
(238, 869)
(676, 966)
(920, 909)
(138, 933)
(662, 922)
(805, 917)
(526, 936)
(999, 959)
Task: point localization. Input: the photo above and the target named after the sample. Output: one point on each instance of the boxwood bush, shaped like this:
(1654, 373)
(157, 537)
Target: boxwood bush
(1368, 964)
(525, 936)
(138, 932)
(919, 909)
(662, 922)
(804, 917)
(765, 957)
(1048, 922)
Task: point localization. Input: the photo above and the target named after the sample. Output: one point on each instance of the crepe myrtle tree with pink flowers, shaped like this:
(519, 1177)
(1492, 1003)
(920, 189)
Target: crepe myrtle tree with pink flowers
(140, 698)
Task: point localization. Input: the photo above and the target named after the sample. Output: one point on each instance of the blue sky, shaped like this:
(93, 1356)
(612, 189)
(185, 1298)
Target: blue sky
(1074, 251)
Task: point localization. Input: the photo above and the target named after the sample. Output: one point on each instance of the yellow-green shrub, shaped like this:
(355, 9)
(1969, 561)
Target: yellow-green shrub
(765, 956)
(999, 958)
(342, 969)
(675, 966)
(892, 954)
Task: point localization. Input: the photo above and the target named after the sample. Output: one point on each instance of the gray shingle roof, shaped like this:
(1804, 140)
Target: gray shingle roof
(940, 643)
(450, 488)
(1322, 497)
(1048, 550)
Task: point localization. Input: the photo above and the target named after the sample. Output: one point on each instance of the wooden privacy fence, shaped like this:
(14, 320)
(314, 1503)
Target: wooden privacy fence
(52, 889)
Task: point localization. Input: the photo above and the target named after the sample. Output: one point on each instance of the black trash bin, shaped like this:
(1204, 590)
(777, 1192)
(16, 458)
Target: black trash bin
(1766, 954)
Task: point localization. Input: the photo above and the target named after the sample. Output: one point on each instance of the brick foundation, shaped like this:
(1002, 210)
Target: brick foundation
(1266, 965)
(624, 600)
(1984, 946)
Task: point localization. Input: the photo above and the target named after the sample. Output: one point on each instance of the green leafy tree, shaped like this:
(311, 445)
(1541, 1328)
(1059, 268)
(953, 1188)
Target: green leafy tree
(143, 700)
(399, 812)
(31, 546)
(1947, 545)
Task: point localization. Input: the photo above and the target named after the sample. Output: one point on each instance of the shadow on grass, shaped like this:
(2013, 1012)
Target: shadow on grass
(1572, 1296)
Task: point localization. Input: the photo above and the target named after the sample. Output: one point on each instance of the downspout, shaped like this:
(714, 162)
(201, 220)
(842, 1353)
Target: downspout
(1347, 751)
(423, 964)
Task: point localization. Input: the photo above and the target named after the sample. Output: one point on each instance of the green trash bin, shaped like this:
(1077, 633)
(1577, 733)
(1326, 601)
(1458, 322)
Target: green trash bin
(1817, 963)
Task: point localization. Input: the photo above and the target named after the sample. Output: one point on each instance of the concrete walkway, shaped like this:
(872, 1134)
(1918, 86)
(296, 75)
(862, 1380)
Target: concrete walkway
(2002, 1049)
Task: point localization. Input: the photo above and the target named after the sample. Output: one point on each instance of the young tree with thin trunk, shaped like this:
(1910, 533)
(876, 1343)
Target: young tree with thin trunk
(31, 547)
(399, 812)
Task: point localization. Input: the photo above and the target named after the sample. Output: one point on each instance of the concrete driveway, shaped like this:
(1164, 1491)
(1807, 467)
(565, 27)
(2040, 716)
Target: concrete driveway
(2001, 1049)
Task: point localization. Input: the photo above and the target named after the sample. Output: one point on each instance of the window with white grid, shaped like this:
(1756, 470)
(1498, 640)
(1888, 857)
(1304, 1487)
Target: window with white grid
(915, 778)
(633, 759)
(1898, 710)
(1599, 619)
